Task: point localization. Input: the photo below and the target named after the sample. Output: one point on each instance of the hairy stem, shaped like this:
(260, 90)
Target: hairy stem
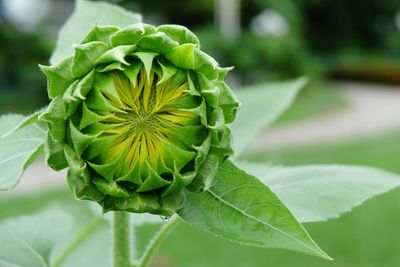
(121, 239)
(156, 241)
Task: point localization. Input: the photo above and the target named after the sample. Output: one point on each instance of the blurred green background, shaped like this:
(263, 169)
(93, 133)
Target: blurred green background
(265, 40)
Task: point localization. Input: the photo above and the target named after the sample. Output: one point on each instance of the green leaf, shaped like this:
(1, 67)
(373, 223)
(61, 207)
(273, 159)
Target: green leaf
(88, 244)
(179, 33)
(145, 227)
(239, 207)
(62, 236)
(33, 118)
(182, 56)
(24, 245)
(85, 16)
(261, 106)
(8, 124)
(18, 148)
(95, 250)
(317, 193)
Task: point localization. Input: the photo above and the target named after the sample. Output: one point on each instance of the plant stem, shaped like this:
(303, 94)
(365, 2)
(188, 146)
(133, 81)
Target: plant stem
(121, 239)
(156, 241)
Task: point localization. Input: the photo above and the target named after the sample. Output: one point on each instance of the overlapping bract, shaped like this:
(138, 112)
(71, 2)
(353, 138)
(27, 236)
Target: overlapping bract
(138, 114)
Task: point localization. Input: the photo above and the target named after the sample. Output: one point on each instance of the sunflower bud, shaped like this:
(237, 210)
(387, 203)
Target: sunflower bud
(138, 114)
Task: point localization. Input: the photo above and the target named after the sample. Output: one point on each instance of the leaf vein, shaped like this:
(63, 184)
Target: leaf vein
(266, 224)
(16, 156)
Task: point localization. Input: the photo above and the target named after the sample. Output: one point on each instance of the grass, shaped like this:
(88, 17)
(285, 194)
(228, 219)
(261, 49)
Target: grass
(318, 98)
(381, 151)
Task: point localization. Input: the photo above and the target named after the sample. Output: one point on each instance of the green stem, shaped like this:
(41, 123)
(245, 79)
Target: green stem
(156, 241)
(121, 239)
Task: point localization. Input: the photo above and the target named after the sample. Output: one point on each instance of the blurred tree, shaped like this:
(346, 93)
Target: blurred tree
(191, 13)
(356, 39)
(339, 24)
(22, 87)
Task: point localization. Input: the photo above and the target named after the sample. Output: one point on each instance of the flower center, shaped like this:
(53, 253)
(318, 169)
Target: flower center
(141, 122)
(150, 125)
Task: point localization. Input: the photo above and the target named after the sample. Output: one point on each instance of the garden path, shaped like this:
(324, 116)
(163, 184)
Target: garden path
(372, 109)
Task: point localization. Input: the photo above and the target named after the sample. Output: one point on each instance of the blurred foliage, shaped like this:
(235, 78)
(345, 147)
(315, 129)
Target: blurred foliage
(341, 24)
(257, 59)
(338, 38)
(22, 86)
(191, 13)
(372, 66)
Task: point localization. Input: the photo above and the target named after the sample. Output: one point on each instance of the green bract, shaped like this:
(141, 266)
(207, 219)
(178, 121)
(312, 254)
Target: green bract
(138, 114)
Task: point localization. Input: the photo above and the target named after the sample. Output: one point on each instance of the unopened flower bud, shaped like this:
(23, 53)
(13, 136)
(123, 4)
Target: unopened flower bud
(138, 114)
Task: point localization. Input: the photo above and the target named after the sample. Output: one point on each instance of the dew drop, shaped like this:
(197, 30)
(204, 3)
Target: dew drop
(165, 218)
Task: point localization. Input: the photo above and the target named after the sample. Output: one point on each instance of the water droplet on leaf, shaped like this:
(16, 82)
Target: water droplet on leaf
(165, 218)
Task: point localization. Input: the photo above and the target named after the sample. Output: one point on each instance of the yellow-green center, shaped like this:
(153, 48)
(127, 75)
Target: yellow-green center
(151, 125)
